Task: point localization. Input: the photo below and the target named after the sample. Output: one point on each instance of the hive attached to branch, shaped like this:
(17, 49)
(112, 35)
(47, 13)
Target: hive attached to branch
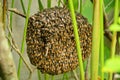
(50, 40)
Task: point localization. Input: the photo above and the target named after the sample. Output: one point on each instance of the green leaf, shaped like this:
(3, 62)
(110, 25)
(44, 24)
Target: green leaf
(109, 5)
(114, 27)
(87, 10)
(112, 65)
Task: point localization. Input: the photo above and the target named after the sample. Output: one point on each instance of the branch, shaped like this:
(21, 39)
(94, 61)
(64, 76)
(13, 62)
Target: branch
(14, 46)
(16, 12)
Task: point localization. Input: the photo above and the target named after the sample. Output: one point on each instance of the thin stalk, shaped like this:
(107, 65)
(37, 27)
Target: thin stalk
(23, 7)
(101, 40)
(39, 75)
(53, 78)
(114, 37)
(65, 76)
(75, 28)
(46, 76)
(4, 13)
(11, 14)
(24, 37)
(40, 5)
(80, 6)
(95, 41)
(48, 6)
(48, 3)
(40, 8)
(59, 1)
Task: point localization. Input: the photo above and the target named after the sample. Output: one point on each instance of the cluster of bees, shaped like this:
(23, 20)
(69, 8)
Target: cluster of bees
(50, 40)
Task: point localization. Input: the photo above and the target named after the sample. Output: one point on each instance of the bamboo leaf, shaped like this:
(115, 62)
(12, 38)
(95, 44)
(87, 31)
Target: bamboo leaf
(112, 65)
(114, 27)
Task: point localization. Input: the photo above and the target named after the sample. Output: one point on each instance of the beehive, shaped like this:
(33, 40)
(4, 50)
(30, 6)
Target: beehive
(50, 40)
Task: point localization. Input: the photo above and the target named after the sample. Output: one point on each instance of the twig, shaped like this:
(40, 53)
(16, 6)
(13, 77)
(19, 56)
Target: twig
(87, 69)
(107, 33)
(75, 75)
(14, 46)
(4, 13)
(16, 12)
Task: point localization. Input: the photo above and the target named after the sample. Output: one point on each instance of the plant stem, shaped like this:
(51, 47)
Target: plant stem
(77, 39)
(95, 41)
(59, 3)
(40, 8)
(65, 77)
(53, 78)
(48, 3)
(4, 13)
(80, 6)
(39, 75)
(101, 39)
(23, 7)
(46, 76)
(114, 37)
(11, 14)
(24, 37)
(40, 5)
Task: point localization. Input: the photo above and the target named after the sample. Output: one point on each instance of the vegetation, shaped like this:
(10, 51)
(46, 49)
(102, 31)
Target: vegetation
(103, 15)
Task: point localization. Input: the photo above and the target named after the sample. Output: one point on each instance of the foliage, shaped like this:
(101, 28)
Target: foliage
(112, 65)
(87, 11)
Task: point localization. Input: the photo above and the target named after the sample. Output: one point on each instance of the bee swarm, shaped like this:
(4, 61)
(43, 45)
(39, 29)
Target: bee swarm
(50, 40)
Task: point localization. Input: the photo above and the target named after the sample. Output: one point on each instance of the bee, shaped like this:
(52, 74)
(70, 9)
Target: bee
(50, 40)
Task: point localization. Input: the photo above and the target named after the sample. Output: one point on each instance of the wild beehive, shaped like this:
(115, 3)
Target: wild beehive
(50, 40)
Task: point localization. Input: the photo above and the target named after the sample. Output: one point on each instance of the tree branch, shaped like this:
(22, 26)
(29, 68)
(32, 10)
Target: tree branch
(7, 66)
(16, 12)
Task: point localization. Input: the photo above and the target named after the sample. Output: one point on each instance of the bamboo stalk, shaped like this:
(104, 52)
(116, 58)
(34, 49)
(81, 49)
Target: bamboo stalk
(23, 7)
(40, 5)
(95, 41)
(77, 39)
(101, 40)
(24, 37)
(114, 37)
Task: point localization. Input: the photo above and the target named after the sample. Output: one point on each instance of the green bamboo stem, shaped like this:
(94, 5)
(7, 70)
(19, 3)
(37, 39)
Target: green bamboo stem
(40, 8)
(59, 3)
(40, 5)
(65, 76)
(80, 6)
(23, 7)
(53, 78)
(46, 76)
(11, 14)
(39, 75)
(95, 41)
(76, 39)
(101, 40)
(114, 37)
(48, 3)
(24, 37)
